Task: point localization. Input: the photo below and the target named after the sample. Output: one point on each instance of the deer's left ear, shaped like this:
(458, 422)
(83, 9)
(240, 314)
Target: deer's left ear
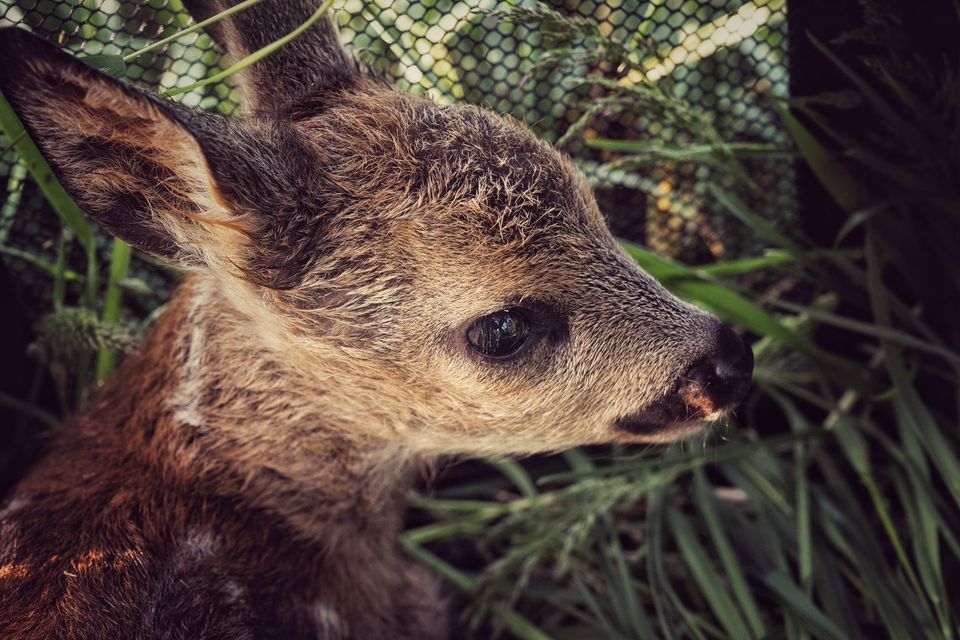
(170, 181)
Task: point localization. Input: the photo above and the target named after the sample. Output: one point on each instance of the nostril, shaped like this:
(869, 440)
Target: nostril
(719, 380)
(733, 360)
(729, 345)
(700, 374)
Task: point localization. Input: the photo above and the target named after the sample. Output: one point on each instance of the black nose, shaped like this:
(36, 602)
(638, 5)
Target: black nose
(723, 375)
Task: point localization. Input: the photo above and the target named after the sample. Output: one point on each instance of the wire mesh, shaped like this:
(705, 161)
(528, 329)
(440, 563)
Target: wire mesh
(727, 58)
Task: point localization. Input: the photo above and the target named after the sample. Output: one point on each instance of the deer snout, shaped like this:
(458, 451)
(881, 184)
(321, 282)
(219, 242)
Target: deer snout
(714, 384)
(720, 380)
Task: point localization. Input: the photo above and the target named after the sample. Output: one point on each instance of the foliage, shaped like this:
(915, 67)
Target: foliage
(831, 515)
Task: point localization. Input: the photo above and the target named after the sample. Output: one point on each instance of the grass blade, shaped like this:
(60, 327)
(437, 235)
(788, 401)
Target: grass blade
(119, 263)
(517, 475)
(735, 206)
(191, 29)
(896, 123)
(706, 505)
(56, 195)
(729, 305)
(512, 621)
(795, 600)
(846, 190)
(711, 586)
(257, 55)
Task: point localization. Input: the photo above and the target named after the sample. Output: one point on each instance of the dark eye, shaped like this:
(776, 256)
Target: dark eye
(499, 334)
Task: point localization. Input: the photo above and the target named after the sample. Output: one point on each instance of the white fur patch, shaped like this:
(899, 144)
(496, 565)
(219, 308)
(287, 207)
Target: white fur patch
(199, 543)
(186, 397)
(234, 591)
(326, 620)
(8, 528)
(194, 547)
(15, 504)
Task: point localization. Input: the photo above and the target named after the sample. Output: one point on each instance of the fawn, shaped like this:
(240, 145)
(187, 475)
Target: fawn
(377, 280)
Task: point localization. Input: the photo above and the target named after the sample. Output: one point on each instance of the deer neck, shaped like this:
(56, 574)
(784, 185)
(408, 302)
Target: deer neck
(207, 404)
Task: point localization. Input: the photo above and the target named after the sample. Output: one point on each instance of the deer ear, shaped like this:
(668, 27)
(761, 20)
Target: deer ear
(313, 62)
(138, 165)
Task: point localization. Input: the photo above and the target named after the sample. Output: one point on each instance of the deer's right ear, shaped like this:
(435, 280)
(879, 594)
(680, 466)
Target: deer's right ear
(138, 165)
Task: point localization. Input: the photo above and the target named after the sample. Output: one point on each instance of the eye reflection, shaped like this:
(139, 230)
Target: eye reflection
(499, 334)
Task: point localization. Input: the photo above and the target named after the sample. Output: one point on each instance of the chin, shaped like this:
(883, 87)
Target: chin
(669, 432)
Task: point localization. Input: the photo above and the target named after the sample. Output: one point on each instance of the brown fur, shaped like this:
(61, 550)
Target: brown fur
(167, 527)
(243, 474)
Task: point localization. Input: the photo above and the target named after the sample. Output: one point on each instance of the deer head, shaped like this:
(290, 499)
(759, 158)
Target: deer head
(445, 277)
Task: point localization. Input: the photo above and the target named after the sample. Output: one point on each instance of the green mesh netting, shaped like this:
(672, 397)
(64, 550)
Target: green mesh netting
(726, 57)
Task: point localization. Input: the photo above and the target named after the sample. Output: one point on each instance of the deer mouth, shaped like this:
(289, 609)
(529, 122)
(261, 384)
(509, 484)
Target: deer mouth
(689, 408)
(712, 386)
(684, 411)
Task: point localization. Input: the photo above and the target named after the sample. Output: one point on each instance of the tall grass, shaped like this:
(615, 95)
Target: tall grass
(828, 508)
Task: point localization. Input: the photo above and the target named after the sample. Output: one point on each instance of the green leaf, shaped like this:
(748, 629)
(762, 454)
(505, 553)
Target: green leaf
(770, 259)
(600, 618)
(921, 508)
(833, 174)
(110, 64)
(883, 332)
(711, 586)
(896, 124)
(796, 601)
(516, 474)
(40, 263)
(119, 263)
(625, 593)
(734, 205)
(512, 621)
(910, 407)
(159, 44)
(56, 195)
(727, 304)
(706, 505)
(693, 152)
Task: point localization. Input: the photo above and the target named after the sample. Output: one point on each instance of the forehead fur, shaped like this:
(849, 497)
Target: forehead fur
(382, 160)
(438, 153)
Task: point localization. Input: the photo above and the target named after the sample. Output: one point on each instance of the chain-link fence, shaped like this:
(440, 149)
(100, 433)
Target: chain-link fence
(725, 57)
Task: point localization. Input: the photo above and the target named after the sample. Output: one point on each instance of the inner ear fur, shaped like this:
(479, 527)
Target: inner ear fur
(143, 168)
